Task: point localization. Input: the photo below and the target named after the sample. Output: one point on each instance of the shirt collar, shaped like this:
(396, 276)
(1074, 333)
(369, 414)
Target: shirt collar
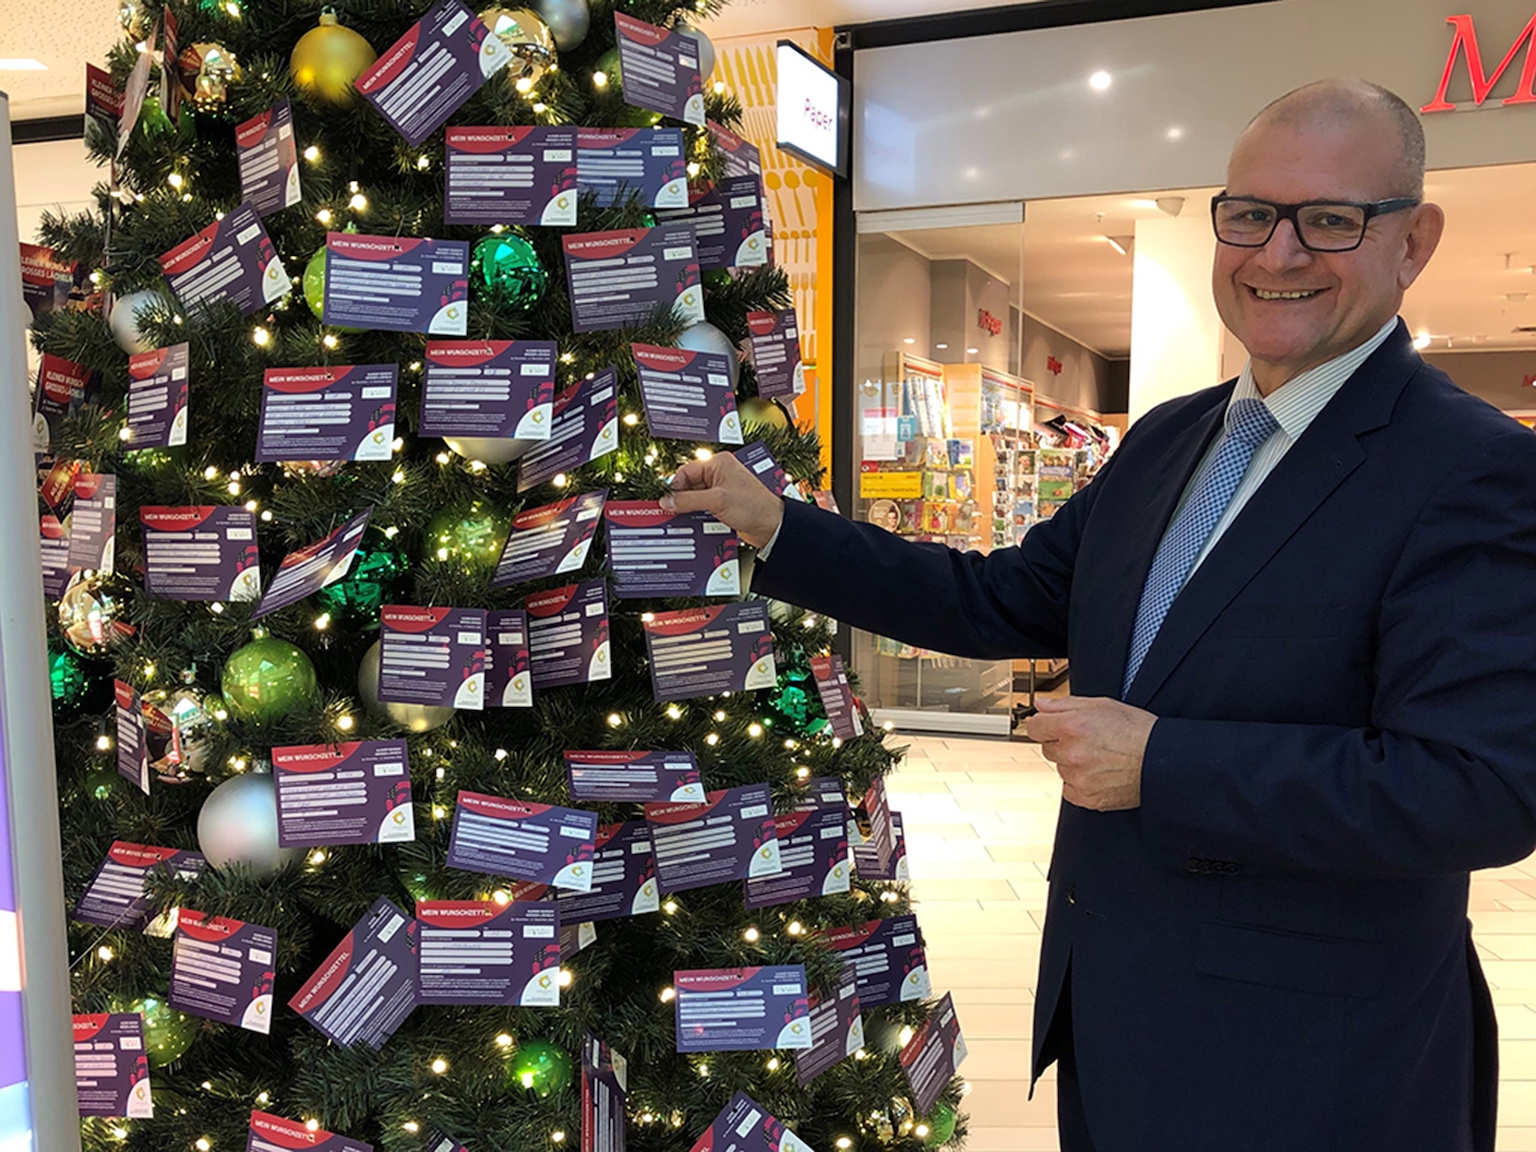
(1297, 402)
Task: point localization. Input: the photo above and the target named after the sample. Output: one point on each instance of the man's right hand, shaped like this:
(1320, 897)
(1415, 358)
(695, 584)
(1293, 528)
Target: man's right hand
(723, 487)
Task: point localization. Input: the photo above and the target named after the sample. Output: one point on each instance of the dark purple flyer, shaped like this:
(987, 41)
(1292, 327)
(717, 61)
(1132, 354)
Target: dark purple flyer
(112, 1066)
(93, 522)
(306, 570)
(494, 388)
(45, 279)
(397, 283)
(269, 160)
(54, 541)
(353, 793)
(115, 896)
(661, 69)
(837, 1029)
(641, 776)
(200, 552)
(742, 158)
(584, 427)
(649, 163)
(742, 1009)
(433, 656)
(813, 848)
(269, 1133)
(157, 398)
(232, 259)
(776, 353)
(623, 279)
(507, 175)
(604, 1080)
(866, 859)
(933, 1055)
(132, 744)
(508, 676)
(481, 952)
(431, 70)
(438, 1142)
(760, 463)
(623, 877)
(708, 650)
(223, 969)
(746, 1126)
(331, 413)
(62, 386)
(523, 840)
(687, 394)
(729, 837)
(887, 956)
(837, 696)
(550, 540)
(728, 220)
(364, 990)
(653, 552)
(568, 635)
(874, 812)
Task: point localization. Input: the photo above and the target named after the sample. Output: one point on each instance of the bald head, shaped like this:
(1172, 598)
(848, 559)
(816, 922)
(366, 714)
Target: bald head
(1343, 104)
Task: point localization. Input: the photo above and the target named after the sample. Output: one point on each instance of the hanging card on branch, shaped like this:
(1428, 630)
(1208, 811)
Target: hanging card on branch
(933, 1055)
(112, 1066)
(760, 463)
(550, 540)
(269, 1133)
(887, 955)
(661, 69)
(269, 160)
(604, 1081)
(132, 743)
(93, 522)
(116, 897)
(731, 836)
(584, 427)
(223, 969)
(568, 635)
(396, 283)
(203, 552)
(837, 1028)
(364, 990)
(687, 394)
(481, 952)
(653, 552)
(53, 543)
(508, 672)
(728, 221)
(706, 651)
(635, 776)
(523, 840)
(813, 848)
(331, 413)
(615, 164)
(62, 387)
(628, 278)
(742, 1009)
(511, 175)
(433, 656)
(746, 1126)
(307, 570)
(623, 877)
(489, 388)
(358, 792)
(776, 353)
(233, 260)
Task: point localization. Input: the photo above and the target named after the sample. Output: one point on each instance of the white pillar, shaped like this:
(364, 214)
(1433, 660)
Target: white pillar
(1176, 336)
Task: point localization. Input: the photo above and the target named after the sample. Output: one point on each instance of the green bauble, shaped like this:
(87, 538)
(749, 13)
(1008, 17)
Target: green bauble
(378, 570)
(472, 533)
(795, 698)
(314, 282)
(941, 1124)
(152, 118)
(167, 1033)
(267, 680)
(608, 64)
(540, 1068)
(504, 268)
(68, 680)
(100, 778)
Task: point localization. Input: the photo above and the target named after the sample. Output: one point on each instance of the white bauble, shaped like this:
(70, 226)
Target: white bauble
(124, 319)
(490, 449)
(705, 337)
(568, 21)
(238, 825)
(411, 717)
(706, 50)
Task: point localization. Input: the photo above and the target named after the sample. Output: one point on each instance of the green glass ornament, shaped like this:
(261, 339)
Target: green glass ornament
(314, 282)
(100, 778)
(268, 679)
(472, 533)
(378, 570)
(67, 680)
(795, 698)
(941, 1124)
(540, 1068)
(505, 268)
(152, 118)
(167, 1033)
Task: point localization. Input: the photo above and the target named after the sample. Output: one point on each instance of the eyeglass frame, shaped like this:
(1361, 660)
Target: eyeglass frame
(1372, 209)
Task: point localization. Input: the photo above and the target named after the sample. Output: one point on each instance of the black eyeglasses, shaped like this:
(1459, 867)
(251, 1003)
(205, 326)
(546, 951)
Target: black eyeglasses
(1321, 225)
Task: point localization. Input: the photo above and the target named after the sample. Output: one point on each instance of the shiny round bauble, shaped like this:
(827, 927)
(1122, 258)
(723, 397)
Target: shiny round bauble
(379, 568)
(540, 1068)
(69, 681)
(505, 269)
(268, 679)
(152, 120)
(101, 778)
(323, 469)
(135, 19)
(167, 1033)
(93, 613)
(314, 282)
(529, 40)
(237, 826)
(177, 724)
(128, 312)
(491, 449)
(705, 337)
(940, 1124)
(411, 717)
(210, 69)
(472, 533)
(327, 61)
(706, 50)
(762, 412)
(568, 20)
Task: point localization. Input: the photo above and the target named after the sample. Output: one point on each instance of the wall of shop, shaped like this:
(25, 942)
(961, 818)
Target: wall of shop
(1085, 379)
(1507, 380)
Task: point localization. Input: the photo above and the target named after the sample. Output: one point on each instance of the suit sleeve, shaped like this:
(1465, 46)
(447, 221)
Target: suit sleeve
(1444, 780)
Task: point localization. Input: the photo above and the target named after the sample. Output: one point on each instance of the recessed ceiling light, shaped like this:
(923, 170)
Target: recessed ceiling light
(910, 340)
(973, 351)
(1100, 81)
(21, 64)
(1175, 133)
(1422, 341)
(941, 346)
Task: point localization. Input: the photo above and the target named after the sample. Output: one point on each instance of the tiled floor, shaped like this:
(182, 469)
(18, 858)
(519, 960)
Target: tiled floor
(979, 817)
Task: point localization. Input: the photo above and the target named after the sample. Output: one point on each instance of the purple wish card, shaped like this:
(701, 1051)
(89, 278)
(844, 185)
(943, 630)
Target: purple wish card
(353, 793)
(640, 776)
(511, 175)
(743, 1009)
(866, 859)
(397, 283)
(731, 836)
(614, 164)
(223, 969)
(653, 552)
(585, 426)
(62, 386)
(933, 1055)
(661, 69)
(624, 279)
(93, 522)
(481, 952)
(874, 812)
(568, 635)
(550, 540)
(364, 990)
(508, 671)
(623, 877)
(201, 552)
(116, 896)
(708, 650)
(687, 394)
(760, 463)
(728, 221)
(746, 1126)
(157, 398)
(742, 158)
(837, 696)
(440, 1142)
(489, 388)
(776, 353)
(329, 413)
(837, 1028)
(306, 570)
(232, 259)
(269, 1133)
(269, 160)
(45, 279)
(523, 840)
(53, 541)
(112, 1066)
(432, 656)
(132, 741)
(813, 848)
(887, 956)
(604, 1082)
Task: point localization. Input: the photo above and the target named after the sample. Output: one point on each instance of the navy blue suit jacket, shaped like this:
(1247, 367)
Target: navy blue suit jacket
(1272, 952)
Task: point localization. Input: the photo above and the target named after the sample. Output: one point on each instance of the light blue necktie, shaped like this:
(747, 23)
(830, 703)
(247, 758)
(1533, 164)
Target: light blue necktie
(1249, 424)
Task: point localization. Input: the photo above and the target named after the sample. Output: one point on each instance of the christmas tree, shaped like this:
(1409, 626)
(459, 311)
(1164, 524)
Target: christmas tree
(238, 599)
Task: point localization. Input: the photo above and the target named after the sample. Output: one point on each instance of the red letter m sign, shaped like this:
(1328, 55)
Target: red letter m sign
(1482, 83)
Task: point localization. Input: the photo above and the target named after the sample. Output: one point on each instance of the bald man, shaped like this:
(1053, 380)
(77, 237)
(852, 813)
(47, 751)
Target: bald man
(1300, 609)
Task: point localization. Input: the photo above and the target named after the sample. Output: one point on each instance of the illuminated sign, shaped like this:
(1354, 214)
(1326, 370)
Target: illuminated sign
(812, 110)
(1465, 44)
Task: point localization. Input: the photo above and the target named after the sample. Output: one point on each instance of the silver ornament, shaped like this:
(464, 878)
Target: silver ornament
(490, 449)
(706, 50)
(125, 316)
(705, 337)
(177, 725)
(238, 825)
(568, 21)
(411, 717)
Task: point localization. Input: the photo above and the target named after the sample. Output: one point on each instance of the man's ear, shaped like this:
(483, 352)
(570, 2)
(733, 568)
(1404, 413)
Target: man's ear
(1424, 232)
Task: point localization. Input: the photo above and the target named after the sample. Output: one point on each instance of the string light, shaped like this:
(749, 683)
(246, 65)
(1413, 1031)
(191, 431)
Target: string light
(751, 935)
(344, 722)
(125, 433)
(773, 1063)
(358, 203)
(719, 87)
(439, 1065)
(423, 162)
(317, 857)
(566, 977)
(712, 739)
(669, 907)
(844, 1142)
(411, 1126)
(324, 215)
(442, 457)
(312, 1125)
(561, 480)
(599, 79)
(795, 928)
(501, 896)
(702, 453)
(175, 180)
(210, 473)
(503, 1040)
(631, 419)
(322, 622)
(719, 714)
(754, 730)
(558, 1136)
(674, 712)
(104, 953)
(921, 1131)
(615, 720)
(203, 1144)
(312, 154)
(261, 336)
(329, 340)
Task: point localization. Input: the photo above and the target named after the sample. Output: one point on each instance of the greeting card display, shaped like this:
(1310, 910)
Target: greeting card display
(432, 656)
(306, 570)
(489, 388)
(523, 840)
(333, 413)
(112, 1066)
(364, 990)
(550, 540)
(204, 552)
(887, 957)
(837, 697)
(933, 1055)
(508, 668)
(705, 651)
(630, 277)
(222, 969)
(58, 486)
(661, 69)
(615, 164)
(813, 848)
(642, 776)
(653, 552)
(232, 259)
(269, 1133)
(353, 793)
(396, 283)
(746, 1126)
(776, 353)
(132, 744)
(508, 175)
(687, 394)
(585, 426)
(731, 836)
(93, 522)
(116, 897)
(481, 952)
(269, 160)
(623, 877)
(837, 1028)
(568, 635)
(728, 220)
(604, 1080)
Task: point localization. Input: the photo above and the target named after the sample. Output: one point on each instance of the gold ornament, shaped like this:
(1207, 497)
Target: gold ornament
(328, 59)
(758, 410)
(209, 69)
(531, 42)
(93, 613)
(134, 20)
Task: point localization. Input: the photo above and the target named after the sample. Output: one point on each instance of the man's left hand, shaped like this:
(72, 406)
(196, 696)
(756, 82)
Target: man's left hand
(1097, 746)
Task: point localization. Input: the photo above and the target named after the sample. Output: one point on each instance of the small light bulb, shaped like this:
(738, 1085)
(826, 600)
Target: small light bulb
(502, 897)
(921, 1131)
(844, 1142)
(561, 480)
(324, 215)
(615, 720)
(175, 180)
(358, 203)
(345, 722)
(210, 473)
(261, 336)
(703, 1069)
(802, 772)
(442, 457)
(439, 1065)
(438, 812)
(694, 169)
(251, 505)
(312, 1125)
(751, 935)
(503, 1041)
(566, 977)
(125, 433)
(712, 739)
(795, 928)
(558, 1136)
(233, 487)
(719, 87)
(754, 729)
(773, 1063)
(317, 857)
(669, 907)
(599, 79)
(524, 85)
(631, 419)
(398, 477)
(540, 108)
(266, 516)
(104, 953)
(411, 1126)
(329, 340)
(203, 1144)
(311, 153)
(674, 712)
(702, 454)
(423, 162)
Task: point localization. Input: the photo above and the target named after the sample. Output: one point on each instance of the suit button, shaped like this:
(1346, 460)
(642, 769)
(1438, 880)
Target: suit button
(1194, 864)
(1072, 894)
(1231, 867)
